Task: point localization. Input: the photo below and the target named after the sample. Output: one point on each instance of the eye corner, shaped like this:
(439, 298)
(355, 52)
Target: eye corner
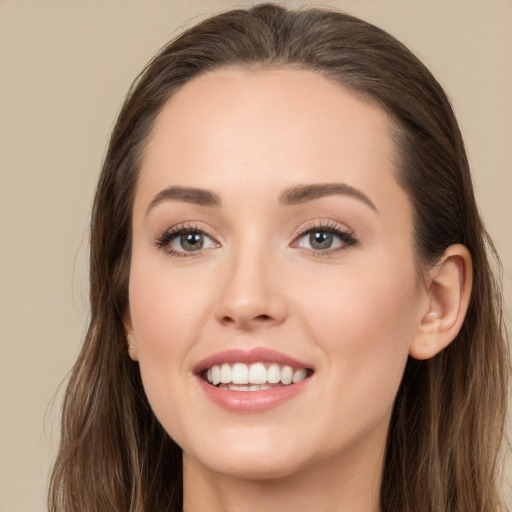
(173, 240)
(331, 238)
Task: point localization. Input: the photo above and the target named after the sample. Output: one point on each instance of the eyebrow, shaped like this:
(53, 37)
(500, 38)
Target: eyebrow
(197, 196)
(289, 197)
(303, 193)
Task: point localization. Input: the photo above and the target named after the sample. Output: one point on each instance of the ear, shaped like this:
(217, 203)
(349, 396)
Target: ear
(131, 342)
(448, 290)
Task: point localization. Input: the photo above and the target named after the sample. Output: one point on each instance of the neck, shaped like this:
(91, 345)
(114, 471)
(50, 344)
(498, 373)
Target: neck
(327, 486)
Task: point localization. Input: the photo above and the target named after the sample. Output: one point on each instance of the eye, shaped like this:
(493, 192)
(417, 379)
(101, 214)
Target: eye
(184, 240)
(325, 239)
(190, 242)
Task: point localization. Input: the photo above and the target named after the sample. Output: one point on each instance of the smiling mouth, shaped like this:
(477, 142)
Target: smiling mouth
(258, 376)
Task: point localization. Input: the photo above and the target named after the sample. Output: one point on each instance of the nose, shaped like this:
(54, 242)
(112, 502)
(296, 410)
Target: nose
(252, 295)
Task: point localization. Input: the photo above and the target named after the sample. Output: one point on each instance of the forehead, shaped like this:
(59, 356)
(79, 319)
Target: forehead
(234, 127)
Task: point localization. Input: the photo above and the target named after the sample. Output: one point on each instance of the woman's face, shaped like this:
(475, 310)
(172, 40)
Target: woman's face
(272, 242)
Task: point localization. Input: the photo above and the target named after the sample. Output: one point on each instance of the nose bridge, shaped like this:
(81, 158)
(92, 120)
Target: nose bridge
(250, 293)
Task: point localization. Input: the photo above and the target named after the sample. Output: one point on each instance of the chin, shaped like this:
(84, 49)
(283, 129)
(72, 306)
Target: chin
(254, 468)
(249, 461)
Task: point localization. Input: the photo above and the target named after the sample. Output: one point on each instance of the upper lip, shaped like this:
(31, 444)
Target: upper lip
(255, 355)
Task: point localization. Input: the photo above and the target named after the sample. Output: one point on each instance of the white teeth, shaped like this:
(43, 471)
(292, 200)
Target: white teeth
(257, 374)
(287, 375)
(253, 387)
(299, 375)
(273, 374)
(254, 377)
(225, 373)
(215, 375)
(240, 374)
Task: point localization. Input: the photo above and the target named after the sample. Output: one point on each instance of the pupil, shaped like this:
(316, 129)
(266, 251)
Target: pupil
(192, 241)
(320, 240)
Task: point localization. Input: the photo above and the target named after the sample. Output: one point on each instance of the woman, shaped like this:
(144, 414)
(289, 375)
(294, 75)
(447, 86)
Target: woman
(291, 301)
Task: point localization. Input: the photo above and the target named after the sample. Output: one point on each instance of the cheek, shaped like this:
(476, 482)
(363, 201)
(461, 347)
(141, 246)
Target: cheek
(364, 323)
(165, 313)
(165, 309)
(153, 313)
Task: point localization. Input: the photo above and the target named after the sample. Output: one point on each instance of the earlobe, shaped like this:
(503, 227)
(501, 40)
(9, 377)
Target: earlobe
(131, 342)
(448, 291)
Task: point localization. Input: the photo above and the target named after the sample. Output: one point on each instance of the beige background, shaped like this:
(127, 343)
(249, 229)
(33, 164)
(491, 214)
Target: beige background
(64, 69)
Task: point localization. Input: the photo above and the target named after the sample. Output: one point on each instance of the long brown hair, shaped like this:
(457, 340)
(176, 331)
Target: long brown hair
(448, 418)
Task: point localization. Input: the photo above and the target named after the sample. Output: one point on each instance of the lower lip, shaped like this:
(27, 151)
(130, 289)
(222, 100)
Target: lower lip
(252, 401)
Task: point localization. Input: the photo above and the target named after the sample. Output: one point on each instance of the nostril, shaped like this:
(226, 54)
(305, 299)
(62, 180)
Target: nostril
(245, 322)
(263, 317)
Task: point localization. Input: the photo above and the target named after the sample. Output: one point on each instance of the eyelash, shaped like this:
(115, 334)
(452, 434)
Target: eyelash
(346, 236)
(164, 240)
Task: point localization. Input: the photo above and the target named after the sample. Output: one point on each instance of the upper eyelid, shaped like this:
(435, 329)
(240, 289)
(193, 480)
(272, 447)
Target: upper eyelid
(187, 227)
(172, 232)
(343, 232)
(165, 240)
(193, 226)
(325, 225)
(322, 224)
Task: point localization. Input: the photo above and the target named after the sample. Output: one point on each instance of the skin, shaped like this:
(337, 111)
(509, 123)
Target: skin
(354, 314)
